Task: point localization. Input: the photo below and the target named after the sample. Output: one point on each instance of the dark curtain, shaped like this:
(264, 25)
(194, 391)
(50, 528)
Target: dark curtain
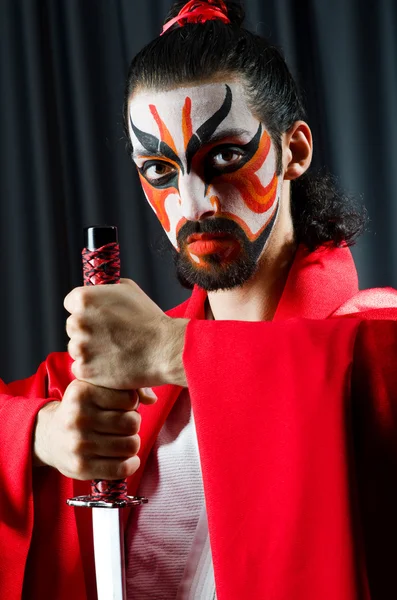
(62, 151)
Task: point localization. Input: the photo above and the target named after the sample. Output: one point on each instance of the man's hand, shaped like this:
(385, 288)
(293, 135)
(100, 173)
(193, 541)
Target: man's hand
(120, 339)
(92, 433)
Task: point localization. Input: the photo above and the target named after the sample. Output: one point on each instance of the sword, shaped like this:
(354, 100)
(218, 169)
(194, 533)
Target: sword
(101, 265)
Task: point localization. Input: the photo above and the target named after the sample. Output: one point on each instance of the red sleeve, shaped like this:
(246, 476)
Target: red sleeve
(374, 418)
(17, 417)
(269, 401)
(19, 501)
(297, 429)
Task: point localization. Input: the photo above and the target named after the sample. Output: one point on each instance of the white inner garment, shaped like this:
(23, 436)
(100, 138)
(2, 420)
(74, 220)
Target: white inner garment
(167, 543)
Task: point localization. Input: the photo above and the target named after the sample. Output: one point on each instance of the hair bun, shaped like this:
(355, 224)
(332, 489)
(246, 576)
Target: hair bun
(235, 11)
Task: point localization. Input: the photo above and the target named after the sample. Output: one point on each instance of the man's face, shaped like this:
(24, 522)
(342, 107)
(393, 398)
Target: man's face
(208, 170)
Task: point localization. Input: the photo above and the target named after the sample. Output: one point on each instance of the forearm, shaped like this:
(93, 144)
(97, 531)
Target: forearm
(40, 450)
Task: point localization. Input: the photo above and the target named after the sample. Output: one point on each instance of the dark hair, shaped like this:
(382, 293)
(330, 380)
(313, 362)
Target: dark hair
(200, 52)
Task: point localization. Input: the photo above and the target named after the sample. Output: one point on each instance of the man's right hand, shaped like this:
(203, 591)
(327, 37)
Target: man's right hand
(92, 433)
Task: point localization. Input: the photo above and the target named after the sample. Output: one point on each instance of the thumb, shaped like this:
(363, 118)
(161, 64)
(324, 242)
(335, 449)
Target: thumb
(147, 395)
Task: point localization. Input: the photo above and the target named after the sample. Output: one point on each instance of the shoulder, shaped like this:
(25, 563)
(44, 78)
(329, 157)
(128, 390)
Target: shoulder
(376, 303)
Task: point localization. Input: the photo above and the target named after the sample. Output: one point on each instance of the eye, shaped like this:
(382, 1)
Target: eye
(227, 157)
(158, 172)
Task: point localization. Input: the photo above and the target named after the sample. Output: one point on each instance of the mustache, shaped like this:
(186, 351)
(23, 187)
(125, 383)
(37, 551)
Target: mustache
(214, 225)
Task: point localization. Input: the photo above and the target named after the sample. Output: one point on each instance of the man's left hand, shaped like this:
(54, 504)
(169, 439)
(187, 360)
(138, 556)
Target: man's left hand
(120, 339)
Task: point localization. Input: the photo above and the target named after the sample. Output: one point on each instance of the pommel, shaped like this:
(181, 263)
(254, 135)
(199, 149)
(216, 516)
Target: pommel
(98, 236)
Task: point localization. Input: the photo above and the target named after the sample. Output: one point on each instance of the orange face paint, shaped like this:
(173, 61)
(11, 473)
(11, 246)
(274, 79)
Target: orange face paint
(165, 135)
(182, 138)
(187, 127)
(256, 196)
(157, 198)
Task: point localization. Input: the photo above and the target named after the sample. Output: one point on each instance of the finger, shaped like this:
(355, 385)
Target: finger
(135, 400)
(117, 446)
(115, 399)
(78, 350)
(69, 326)
(117, 422)
(81, 392)
(147, 395)
(77, 324)
(76, 300)
(105, 468)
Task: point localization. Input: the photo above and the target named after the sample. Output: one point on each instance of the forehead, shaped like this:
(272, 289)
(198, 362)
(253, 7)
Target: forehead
(201, 101)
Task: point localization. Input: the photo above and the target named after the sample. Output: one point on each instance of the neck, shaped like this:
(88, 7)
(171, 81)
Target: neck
(258, 298)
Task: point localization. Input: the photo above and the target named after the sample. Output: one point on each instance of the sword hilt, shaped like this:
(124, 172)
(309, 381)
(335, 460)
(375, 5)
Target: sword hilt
(101, 265)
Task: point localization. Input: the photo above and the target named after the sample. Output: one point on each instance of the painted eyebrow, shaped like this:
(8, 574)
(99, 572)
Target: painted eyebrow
(204, 135)
(222, 135)
(155, 146)
(205, 132)
(227, 133)
(142, 153)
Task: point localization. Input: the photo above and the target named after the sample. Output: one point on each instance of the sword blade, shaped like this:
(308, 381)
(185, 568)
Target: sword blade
(108, 530)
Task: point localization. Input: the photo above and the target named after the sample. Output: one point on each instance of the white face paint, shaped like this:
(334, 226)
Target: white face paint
(201, 153)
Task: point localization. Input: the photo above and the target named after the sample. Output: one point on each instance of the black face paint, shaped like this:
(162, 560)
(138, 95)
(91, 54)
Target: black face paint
(167, 181)
(207, 129)
(155, 146)
(249, 150)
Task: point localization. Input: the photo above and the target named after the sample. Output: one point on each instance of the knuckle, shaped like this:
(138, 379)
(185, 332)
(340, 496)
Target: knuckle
(121, 471)
(81, 422)
(73, 422)
(72, 350)
(129, 424)
(69, 325)
(77, 300)
(126, 446)
(135, 424)
(70, 422)
(75, 368)
(80, 321)
(80, 349)
(77, 447)
(127, 468)
(82, 299)
(81, 369)
(134, 399)
(134, 444)
(78, 466)
(77, 323)
(78, 392)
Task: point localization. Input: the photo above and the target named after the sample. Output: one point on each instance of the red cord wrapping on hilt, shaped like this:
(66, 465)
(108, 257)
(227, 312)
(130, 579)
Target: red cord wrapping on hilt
(100, 267)
(109, 491)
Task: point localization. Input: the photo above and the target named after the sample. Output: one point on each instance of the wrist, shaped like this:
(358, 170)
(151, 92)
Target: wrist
(173, 370)
(40, 451)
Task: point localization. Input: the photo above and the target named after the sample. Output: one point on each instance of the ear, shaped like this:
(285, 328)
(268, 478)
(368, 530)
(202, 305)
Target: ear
(297, 150)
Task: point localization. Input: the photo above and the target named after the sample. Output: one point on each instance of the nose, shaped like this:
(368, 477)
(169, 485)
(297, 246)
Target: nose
(195, 203)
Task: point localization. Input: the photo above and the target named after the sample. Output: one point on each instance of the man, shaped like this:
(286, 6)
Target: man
(294, 410)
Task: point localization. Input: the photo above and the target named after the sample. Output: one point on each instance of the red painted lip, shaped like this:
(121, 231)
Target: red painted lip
(225, 247)
(203, 237)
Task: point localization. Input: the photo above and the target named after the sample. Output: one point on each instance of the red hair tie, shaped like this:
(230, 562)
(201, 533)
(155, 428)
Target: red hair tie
(197, 11)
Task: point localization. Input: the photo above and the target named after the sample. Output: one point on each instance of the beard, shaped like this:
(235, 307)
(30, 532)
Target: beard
(219, 274)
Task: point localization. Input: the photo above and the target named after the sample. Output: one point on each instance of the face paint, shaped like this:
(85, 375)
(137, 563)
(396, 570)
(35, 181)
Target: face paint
(197, 164)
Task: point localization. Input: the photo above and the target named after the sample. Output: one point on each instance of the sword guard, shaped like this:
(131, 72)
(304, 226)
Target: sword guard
(91, 502)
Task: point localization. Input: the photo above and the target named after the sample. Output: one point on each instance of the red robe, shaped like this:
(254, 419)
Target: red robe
(297, 428)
